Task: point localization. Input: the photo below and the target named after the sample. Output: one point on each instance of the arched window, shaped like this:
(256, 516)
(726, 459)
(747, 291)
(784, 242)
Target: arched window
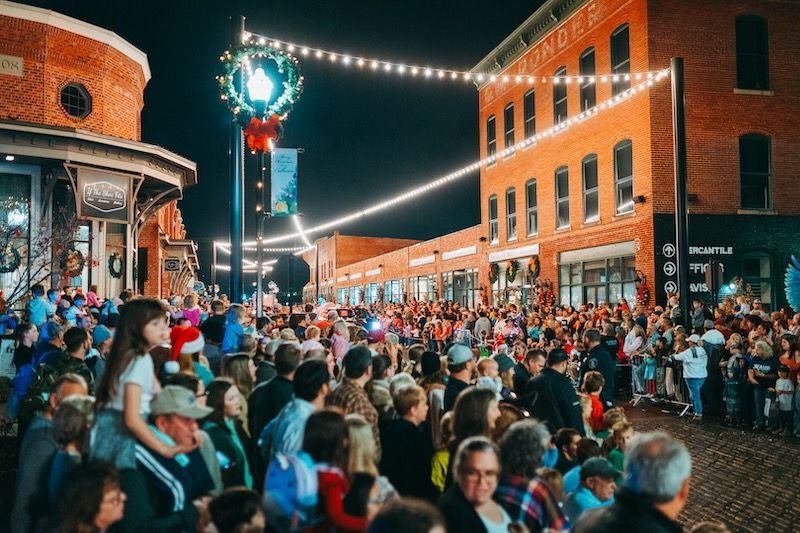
(562, 197)
(511, 214)
(531, 207)
(623, 176)
(752, 53)
(620, 59)
(587, 71)
(755, 171)
(559, 96)
(591, 201)
(491, 136)
(493, 237)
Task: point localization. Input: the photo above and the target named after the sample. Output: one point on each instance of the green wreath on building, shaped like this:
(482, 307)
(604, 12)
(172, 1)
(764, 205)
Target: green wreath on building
(116, 265)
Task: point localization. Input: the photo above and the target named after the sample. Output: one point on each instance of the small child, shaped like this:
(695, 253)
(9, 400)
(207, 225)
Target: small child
(735, 375)
(650, 373)
(593, 383)
(234, 329)
(441, 457)
(489, 376)
(621, 434)
(784, 389)
(611, 417)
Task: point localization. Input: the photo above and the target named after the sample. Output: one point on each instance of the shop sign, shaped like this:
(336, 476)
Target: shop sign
(12, 65)
(104, 196)
(172, 264)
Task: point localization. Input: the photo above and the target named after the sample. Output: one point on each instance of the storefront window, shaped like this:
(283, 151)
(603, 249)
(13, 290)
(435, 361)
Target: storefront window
(15, 197)
(423, 288)
(372, 293)
(461, 287)
(356, 295)
(341, 296)
(757, 271)
(393, 291)
(602, 280)
(116, 241)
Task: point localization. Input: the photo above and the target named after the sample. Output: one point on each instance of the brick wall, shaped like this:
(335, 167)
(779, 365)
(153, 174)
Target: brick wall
(54, 57)
(168, 222)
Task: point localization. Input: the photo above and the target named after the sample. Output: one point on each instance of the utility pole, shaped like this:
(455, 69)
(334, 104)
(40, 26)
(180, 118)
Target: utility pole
(681, 185)
(236, 157)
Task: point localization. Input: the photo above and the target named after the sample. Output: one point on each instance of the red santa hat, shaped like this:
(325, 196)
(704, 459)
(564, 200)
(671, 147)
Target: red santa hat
(185, 339)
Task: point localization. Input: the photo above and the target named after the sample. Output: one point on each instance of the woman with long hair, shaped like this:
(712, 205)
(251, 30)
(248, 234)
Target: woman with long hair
(368, 489)
(241, 370)
(475, 413)
(225, 430)
(127, 386)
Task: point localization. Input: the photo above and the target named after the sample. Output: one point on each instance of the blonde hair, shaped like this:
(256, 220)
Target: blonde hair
(312, 332)
(361, 446)
(555, 480)
(406, 398)
(190, 300)
(621, 427)
(613, 416)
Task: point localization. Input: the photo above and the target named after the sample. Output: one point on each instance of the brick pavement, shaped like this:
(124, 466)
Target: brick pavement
(744, 479)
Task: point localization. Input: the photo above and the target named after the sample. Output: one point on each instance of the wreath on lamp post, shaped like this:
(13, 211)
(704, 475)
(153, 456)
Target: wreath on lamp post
(10, 260)
(512, 267)
(116, 266)
(72, 262)
(494, 272)
(260, 123)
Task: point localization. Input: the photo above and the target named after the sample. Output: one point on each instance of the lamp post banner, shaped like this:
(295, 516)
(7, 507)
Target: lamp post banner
(283, 201)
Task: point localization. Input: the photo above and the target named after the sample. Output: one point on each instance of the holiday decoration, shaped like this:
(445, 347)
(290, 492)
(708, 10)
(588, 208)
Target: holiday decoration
(792, 283)
(643, 291)
(72, 262)
(494, 272)
(259, 132)
(116, 265)
(10, 259)
(511, 271)
(533, 267)
(242, 55)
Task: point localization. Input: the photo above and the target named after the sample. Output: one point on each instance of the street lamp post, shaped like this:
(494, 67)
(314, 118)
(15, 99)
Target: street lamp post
(236, 156)
(681, 185)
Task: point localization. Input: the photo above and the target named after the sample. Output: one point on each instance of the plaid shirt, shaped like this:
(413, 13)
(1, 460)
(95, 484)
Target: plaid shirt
(530, 502)
(352, 398)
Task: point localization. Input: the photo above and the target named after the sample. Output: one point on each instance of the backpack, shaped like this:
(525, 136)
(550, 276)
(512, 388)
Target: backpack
(290, 491)
(37, 380)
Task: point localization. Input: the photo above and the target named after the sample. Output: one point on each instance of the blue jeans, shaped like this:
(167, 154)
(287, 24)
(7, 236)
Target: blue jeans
(760, 400)
(694, 385)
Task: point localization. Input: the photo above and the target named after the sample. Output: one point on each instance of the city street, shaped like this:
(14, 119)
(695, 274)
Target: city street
(742, 478)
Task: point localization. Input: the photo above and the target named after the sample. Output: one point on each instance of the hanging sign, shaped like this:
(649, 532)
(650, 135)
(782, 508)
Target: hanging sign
(104, 196)
(172, 265)
(283, 200)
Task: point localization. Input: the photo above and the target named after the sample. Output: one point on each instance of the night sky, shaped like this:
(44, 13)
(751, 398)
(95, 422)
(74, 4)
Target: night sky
(366, 135)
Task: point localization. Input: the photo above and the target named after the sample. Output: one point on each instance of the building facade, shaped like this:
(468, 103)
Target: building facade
(590, 208)
(84, 200)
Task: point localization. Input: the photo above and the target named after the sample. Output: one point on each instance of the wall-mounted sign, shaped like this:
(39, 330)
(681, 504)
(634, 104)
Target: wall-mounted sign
(104, 196)
(12, 65)
(284, 182)
(172, 264)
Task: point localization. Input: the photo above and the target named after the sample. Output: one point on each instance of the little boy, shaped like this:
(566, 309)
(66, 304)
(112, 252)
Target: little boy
(408, 449)
(489, 376)
(593, 383)
(621, 434)
(784, 390)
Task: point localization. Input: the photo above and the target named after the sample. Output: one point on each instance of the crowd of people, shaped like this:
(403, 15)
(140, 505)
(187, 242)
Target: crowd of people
(195, 415)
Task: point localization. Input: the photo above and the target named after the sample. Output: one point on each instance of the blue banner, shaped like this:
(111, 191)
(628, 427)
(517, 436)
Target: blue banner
(284, 182)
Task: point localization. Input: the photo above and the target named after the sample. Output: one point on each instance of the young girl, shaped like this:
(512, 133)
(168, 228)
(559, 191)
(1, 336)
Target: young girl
(234, 329)
(368, 489)
(127, 386)
(191, 310)
(324, 440)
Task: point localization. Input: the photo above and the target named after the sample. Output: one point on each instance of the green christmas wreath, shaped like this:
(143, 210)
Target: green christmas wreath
(116, 265)
(494, 272)
(511, 271)
(238, 104)
(9, 262)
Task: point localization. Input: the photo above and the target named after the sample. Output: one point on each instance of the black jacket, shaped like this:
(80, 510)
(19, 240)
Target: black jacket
(406, 459)
(451, 392)
(630, 513)
(265, 402)
(552, 398)
(458, 513)
(601, 361)
(521, 378)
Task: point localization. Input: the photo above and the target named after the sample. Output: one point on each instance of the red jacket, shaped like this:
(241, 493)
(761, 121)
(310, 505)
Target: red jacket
(333, 487)
(597, 421)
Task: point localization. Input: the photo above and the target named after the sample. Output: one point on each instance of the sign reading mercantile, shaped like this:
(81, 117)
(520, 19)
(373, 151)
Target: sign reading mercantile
(104, 196)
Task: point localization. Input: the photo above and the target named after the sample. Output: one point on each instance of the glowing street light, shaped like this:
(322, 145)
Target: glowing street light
(259, 87)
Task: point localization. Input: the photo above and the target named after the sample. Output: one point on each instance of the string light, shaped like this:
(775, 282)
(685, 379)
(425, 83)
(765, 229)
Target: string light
(441, 73)
(460, 173)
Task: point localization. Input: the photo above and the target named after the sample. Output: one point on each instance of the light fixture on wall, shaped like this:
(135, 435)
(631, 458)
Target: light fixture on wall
(639, 199)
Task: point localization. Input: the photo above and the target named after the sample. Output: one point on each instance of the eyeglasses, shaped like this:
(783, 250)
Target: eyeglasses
(476, 476)
(114, 497)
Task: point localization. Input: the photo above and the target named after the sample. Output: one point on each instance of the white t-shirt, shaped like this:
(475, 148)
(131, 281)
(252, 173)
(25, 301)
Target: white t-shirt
(496, 527)
(141, 372)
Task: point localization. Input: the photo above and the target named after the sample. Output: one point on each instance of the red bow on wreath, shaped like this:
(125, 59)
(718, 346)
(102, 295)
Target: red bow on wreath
(258, 132)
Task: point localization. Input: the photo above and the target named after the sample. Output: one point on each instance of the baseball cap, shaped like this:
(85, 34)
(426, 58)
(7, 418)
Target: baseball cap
(693, 338)
(597, 467)
(174, 399)
(504, 362)
(375, 335)
(458, 354)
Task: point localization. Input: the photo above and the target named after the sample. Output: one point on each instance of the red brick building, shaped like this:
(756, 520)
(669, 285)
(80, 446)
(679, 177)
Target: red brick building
(594, 203)
(70, 147)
